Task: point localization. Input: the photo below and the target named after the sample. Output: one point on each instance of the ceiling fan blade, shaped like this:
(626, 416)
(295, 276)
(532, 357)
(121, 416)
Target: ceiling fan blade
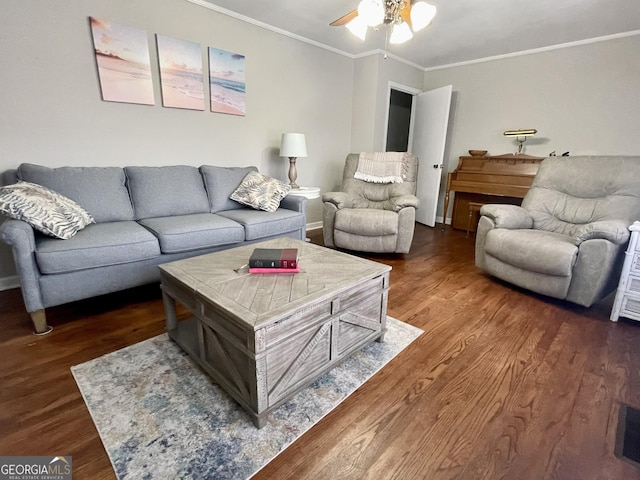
(405, 13)
(344, 19)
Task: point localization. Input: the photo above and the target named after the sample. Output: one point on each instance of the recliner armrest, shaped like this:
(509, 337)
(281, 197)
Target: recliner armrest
(339, 199)
(511, 217)
(398, 203)
(616, 231)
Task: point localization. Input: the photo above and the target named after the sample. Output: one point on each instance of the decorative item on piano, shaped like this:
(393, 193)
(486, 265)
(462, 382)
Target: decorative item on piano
(477, 153)
(521, 136)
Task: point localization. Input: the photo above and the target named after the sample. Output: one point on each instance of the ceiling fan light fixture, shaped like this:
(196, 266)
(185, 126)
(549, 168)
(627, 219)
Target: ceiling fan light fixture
(421, 15)
(401, 17)
(358, 27)
(371, 12)
(400, 33)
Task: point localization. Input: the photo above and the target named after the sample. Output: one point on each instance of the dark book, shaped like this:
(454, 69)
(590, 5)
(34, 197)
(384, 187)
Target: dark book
(274, 258)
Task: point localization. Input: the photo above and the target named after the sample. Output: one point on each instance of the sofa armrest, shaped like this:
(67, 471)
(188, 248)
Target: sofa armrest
(398, 203)
(339, 199)
(511, 217)
(616, 231)
(21, 237)
(295, 203)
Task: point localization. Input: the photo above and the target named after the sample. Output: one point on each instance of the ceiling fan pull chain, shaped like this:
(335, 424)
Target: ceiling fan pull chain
(386, 43)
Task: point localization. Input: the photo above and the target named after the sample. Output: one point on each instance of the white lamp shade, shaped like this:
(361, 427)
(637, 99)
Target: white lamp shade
(400, 33)
(358, 27)
(421, 15)
(293, 145)
(371, 11)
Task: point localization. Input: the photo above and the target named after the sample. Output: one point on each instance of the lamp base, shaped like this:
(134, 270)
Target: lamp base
(293, 172)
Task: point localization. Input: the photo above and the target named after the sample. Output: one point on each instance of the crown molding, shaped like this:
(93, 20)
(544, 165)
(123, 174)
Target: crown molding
(559, 46)
(266, 26)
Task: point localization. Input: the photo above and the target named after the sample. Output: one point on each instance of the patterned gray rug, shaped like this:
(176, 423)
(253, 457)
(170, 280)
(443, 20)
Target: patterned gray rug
(159, 416)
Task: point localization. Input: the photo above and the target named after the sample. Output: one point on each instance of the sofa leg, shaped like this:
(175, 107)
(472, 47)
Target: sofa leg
(39, 320)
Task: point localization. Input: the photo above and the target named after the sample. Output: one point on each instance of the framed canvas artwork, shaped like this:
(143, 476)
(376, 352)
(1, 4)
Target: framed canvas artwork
(181, 75)
(227, 82)
(122, 56)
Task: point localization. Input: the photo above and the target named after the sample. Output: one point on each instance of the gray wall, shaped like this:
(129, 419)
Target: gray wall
(372, 78)
(53, 114)
(583, 99)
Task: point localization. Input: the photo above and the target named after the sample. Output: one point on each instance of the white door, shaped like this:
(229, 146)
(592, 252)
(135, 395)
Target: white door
(429, 138)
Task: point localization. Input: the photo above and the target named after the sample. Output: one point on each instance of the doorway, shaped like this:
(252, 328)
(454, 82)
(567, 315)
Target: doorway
(399, 121)
(417, 122)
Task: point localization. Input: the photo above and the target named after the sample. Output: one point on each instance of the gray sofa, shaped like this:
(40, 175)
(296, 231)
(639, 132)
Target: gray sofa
(144, 216)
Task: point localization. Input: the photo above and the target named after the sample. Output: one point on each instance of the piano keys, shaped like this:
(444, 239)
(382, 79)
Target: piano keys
(492, 179)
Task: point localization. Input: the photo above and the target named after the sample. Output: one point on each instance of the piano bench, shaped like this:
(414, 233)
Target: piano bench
(473, 207)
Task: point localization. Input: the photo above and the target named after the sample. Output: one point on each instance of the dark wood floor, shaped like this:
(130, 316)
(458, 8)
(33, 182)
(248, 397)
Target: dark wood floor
(503, 383)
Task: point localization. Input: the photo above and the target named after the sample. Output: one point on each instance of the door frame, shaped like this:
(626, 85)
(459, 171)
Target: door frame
(406, 89)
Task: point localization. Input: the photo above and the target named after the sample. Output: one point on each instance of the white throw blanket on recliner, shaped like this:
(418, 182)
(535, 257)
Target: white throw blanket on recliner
(380, 167)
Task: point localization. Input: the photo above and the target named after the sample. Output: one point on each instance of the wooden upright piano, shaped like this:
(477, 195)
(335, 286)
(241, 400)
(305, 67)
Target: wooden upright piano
(480, 180)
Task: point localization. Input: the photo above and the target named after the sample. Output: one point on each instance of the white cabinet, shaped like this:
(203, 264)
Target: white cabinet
(627, 302)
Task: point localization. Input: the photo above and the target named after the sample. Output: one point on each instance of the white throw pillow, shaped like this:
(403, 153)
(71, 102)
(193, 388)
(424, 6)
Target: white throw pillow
(260, 192)
(45, 210)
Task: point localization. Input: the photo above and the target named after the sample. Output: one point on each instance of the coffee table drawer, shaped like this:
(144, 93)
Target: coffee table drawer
(303, 357)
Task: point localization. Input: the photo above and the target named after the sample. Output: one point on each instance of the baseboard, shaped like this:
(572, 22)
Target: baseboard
(439, 220)
(314, 225)
(7, 283)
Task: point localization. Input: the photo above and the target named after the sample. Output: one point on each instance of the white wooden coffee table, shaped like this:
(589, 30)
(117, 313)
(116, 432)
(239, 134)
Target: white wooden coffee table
(262, 338)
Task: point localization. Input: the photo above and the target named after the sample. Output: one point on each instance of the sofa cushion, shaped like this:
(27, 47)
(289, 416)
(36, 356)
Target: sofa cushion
(367, 222)
(101, 191)
(45, 210)
(221, 183)
(538, 251)
(98, 245)
(166, 191)
(191, 232)
(260, 192)
(258, 224)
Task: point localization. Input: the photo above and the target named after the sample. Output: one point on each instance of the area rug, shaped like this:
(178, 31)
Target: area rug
(160, 416)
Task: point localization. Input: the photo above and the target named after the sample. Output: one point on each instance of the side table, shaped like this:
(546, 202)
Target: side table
(309, 192)
(627, 302)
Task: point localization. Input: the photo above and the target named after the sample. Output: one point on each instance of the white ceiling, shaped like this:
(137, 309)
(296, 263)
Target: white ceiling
(463, 30)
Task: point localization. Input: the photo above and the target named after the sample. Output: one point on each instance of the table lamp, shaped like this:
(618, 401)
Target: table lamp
(293, 145)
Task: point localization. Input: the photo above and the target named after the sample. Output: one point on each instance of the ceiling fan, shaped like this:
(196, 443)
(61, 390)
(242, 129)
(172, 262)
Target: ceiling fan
(402, 16)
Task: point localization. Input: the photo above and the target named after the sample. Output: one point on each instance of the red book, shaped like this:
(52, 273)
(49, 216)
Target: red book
(273, 270)
(274, 258)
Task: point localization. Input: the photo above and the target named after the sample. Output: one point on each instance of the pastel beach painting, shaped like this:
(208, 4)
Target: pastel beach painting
(227, 82)
(122, 55)
(180, 73)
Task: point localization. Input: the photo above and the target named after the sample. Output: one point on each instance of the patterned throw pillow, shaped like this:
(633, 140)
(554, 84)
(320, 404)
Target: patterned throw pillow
(45, 210)
(260, 192)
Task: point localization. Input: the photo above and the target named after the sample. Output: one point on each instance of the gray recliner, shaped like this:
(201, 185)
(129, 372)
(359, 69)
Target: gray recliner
(372, 217)
(568, 238)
